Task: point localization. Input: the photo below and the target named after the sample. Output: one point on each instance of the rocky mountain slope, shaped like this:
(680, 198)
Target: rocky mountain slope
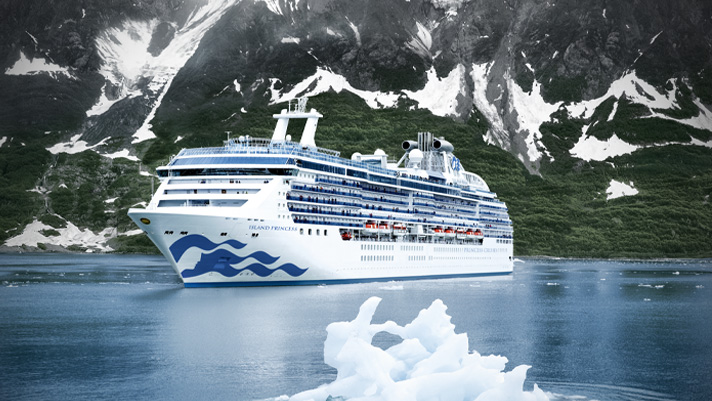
(95, 94)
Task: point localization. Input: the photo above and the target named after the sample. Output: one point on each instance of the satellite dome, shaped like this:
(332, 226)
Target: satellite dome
(415, 155)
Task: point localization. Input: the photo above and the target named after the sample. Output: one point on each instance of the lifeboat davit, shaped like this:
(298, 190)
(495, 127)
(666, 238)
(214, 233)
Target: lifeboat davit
(478, 234)
(460, 233)
(399, 229)
(384, 229)
(449, 232)
(438, 232)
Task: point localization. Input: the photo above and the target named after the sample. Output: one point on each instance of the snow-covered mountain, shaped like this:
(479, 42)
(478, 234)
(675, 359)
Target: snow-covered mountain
(112, 77)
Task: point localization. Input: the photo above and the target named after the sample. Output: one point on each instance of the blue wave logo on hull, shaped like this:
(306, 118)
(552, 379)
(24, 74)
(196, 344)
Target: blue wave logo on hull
(222, 260)
(198, 241)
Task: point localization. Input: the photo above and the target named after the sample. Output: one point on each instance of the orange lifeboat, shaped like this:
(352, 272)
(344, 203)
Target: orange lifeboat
(438, 231)
(399, 229)
(449, 232)
(469, 234)
(370, 228)
(478, 234)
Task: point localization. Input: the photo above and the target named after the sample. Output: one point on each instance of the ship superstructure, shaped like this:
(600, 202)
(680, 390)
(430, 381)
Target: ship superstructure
(276, 212)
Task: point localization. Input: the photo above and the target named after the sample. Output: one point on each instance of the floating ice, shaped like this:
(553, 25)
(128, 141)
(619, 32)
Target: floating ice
(431, 363)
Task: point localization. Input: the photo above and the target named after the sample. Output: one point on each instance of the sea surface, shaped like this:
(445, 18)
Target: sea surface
(88, 327)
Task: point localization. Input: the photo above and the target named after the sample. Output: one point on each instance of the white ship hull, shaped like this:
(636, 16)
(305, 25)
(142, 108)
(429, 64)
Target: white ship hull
(279, 255)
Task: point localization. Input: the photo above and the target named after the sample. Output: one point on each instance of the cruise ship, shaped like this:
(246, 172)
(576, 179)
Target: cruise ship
(270, 211)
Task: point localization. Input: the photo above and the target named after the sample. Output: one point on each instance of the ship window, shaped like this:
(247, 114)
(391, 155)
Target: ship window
(224, 191)
(223, 234)
(317, 231)
(310, 231)
(184, 233)
(324, 232)
(301, 231)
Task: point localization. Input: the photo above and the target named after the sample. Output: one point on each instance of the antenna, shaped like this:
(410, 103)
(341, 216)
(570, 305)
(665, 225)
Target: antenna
(302, 104)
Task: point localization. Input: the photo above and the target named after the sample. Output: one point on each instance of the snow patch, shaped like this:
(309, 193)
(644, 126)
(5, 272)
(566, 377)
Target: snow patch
(591, 148)
(103, 104)
(532, 111)
(75, 145)
(290, 39)
(440, 96)
(3, 140)
(617, 189)
(34, 39)
(613, 112)
(70, 235)
(496, 135)
(323, 81)
(697, 142)
(422, 41)
(431, 363)
(124, 50)
(634, 88)
(450, 5)
(356, 32)
(702, 121)
(24, 66)
(273, 5)
(655, 37)
(121, 153)
(237, 86)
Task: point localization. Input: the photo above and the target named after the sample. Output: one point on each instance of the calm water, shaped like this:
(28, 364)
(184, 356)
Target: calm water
(109, 327)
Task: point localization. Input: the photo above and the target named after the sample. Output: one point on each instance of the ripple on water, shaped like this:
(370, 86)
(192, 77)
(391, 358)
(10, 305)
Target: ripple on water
(558, 391)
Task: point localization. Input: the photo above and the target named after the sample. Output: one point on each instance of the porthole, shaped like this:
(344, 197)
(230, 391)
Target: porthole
(145, 221)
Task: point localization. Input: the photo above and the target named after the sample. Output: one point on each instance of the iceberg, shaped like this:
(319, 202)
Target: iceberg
(432, 362)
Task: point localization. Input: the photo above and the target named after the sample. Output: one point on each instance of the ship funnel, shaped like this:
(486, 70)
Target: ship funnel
(410, 145)
(442, 145)
(310, 129)
(298, 111)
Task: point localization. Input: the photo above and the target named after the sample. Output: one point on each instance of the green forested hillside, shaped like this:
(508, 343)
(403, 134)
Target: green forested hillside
(562, 212)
